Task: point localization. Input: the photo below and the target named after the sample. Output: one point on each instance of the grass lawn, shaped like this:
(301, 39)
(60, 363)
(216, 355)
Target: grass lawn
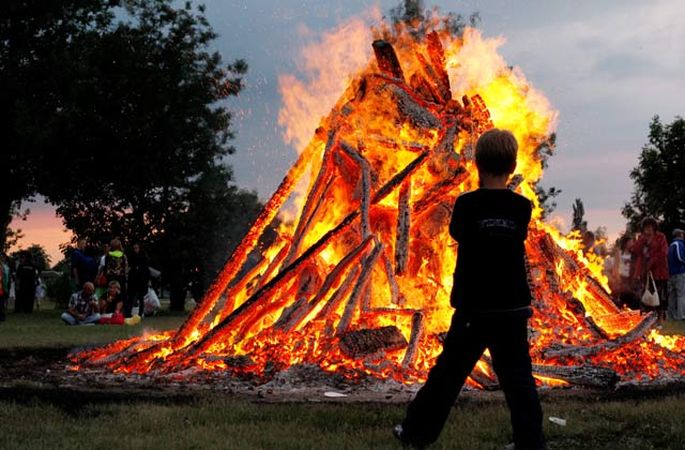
(202, 421)
(44, 329)
(224, 422)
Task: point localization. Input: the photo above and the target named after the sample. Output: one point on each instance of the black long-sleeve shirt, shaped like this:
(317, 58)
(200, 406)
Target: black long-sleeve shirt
(490, 226)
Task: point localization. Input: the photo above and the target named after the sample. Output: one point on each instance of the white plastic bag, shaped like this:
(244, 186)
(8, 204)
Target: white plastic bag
(650, 297)
(151, 300)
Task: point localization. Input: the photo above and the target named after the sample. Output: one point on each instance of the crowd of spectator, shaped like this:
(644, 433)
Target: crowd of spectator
(638, 259)
(113, 285)
(108, 285)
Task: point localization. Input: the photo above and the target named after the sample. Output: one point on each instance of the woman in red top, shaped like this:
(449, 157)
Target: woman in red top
(650, 252)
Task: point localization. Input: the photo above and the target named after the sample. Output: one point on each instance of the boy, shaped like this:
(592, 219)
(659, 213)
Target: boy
(492, 300)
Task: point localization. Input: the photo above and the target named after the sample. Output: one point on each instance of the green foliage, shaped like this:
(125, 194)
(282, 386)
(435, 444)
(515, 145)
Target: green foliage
(114, 114)
(121, 122)
(38, 256)
(36, 39)
(547, 199)
(414, 14)
(659, 190)
(578, 221)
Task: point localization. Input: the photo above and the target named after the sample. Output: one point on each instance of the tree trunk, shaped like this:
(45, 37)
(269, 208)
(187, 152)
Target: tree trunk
(5, 219)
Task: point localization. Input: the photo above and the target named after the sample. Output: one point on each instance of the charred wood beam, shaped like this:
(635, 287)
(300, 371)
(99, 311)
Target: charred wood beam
(577, 350)
(314, 197)
(437, 57)
(392, 281)
(366, 342)
(433, 82)
(342, 291)
(402, 233)
(359, 288)
(365, 187)
(333, 277)
(250, 276)
(586, 375)
(414, 338)
(275, 263)
(419, 116)
(438, 191)
(387, 59)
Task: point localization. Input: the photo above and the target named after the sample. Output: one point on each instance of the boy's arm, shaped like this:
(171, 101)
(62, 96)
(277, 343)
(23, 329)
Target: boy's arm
(457, 222)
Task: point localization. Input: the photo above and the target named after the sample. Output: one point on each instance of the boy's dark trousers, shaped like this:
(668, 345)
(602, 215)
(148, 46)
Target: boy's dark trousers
(506, 336)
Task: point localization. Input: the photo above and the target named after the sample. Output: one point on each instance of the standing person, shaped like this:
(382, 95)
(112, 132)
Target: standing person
(100, 279)
(676, 282)
(138, 278)
(650, 255)
(116, 269)
(623, 288)
(26, 277)
(84, 266)
(490, 225)
(4, 286)
(83, 307)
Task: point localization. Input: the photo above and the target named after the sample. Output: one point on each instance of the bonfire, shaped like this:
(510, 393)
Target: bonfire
(358, 283)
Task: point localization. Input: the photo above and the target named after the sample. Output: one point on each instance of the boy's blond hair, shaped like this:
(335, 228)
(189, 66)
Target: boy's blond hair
(496, 152)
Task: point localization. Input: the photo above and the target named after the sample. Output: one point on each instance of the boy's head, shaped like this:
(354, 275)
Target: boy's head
(496, 152)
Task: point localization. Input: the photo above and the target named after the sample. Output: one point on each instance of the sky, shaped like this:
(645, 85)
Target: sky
(607, 66)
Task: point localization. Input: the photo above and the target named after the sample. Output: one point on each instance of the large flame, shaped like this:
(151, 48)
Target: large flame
(381, 147)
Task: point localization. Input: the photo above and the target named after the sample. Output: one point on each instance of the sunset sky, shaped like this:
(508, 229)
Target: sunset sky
(607, 67)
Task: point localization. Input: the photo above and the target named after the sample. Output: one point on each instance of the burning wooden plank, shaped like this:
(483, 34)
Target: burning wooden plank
(414, 338)
(639, 331)
(402, 234)
(586, 375)
(387, 59)
(366, 342)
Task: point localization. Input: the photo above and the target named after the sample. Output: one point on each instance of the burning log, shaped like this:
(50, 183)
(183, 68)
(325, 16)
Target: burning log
(359, 287)
(273, 265)
(437, 57)
(425, 89)
(251, 275)
(366, 342)
(414, 338)
(403, 223)
(586, 375)
(365, 188)
(314, 197)
(339, 294)
(333, 277)
(418, 116)
(639, 331)
(387, 59)
(390, 274)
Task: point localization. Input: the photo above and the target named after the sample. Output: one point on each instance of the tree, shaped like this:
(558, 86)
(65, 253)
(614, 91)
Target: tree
(196, 241)
(37, 254)
(414, 13)
(129, 115)
(659, 190)
(578, 222)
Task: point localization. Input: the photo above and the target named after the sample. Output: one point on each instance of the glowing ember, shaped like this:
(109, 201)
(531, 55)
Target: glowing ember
(359, 284)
